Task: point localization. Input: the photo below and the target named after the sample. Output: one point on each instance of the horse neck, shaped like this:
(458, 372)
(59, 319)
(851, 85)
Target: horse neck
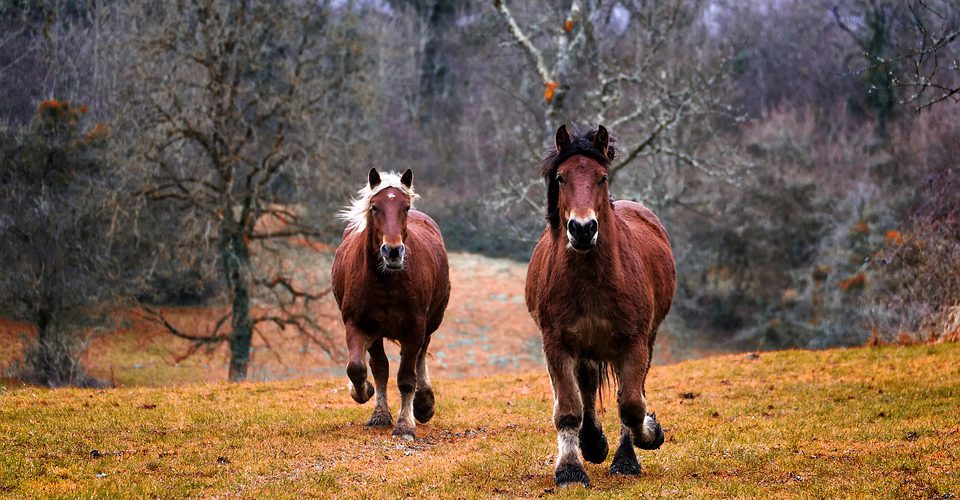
(369, 251)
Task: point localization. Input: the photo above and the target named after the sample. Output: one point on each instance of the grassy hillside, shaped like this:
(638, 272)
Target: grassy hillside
(871, 421)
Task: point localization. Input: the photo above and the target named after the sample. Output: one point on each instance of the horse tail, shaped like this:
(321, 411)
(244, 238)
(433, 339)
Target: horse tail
(608, 378)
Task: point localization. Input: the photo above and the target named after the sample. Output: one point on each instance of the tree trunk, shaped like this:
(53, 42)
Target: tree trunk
(236, 263)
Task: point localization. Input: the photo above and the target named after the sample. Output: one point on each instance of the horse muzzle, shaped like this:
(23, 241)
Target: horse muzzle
(582, 234)
(392, 256)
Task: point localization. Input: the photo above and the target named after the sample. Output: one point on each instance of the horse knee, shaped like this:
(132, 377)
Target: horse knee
(360, 390)
(568, 421)
(357, 372)
(406, 383)
(632, 413)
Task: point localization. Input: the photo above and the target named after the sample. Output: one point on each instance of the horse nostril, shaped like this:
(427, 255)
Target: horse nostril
(384, 250)
(592, 227)
(395, 253)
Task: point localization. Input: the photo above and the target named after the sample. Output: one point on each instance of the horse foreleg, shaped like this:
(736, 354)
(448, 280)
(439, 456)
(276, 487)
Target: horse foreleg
(357, 344)
(567, 416)
(593, 443)
(407, 383)
(380, 366)
(423, 400)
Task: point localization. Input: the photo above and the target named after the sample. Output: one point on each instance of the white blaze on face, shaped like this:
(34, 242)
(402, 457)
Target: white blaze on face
(396, 243)
(391, 195)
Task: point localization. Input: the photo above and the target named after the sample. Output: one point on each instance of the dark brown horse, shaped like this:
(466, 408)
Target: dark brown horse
(391, 280)
(600, 281)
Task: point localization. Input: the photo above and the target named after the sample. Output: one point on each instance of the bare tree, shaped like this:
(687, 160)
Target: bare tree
(247, 111)
(68, 239)
(932, 56)
(616, 60)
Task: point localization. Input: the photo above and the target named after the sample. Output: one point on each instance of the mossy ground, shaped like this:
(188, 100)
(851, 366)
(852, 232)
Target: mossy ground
(866, 422)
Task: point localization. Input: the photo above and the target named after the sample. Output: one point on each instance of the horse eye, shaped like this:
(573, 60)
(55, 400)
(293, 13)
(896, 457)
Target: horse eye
(603, 180)
(373, 210)
(559, 179)
(406, 209)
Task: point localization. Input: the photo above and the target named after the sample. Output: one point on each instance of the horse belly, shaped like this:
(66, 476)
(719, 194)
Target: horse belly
(595, 336)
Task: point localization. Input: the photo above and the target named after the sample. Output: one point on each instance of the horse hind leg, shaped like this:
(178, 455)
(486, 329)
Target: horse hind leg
(625, 459)
(380, 366)
(357, 343)
(593, 444)
(423, 399)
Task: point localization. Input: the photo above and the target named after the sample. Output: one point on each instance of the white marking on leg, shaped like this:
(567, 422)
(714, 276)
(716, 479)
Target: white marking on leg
(568, 447)
(649, 429)
(423, 374)
(406, 413)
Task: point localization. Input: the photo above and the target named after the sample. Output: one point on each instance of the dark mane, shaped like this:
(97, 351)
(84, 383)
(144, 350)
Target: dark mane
(581, 144)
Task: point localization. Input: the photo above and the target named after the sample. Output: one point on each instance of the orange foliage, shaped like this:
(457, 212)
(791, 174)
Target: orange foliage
(893, 237)
(550, 90)
(857, 281)
(99, 131)
(51, 104)
(568, 25)
(83, 108)
(861, 227)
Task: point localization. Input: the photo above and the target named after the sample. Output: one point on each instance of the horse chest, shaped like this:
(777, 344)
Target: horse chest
(386, 311)
(592, 317)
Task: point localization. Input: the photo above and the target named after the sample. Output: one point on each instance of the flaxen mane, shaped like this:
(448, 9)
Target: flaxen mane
(355, 214)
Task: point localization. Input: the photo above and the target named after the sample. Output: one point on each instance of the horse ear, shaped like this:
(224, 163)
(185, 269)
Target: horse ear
(407, 178)
(374, 178)
(563, 138)
(601, 140)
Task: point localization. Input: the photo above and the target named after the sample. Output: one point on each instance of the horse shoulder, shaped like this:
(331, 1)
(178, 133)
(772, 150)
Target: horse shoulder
(428, 239)
(343, 262)
(536, 272)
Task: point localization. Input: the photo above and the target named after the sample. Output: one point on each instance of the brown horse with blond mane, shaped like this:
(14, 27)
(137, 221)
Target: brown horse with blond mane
(391, 280)
(600, 282)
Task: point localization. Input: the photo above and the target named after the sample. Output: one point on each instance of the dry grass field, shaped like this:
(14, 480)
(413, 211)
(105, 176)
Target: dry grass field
(864, 422)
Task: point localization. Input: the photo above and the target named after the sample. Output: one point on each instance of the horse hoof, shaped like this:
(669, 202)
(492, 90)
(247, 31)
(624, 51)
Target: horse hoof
(568, 474)
(403, 431)
(652, 436)
(624, 467)
(593, 445)
(380, 419)
(423, 406)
